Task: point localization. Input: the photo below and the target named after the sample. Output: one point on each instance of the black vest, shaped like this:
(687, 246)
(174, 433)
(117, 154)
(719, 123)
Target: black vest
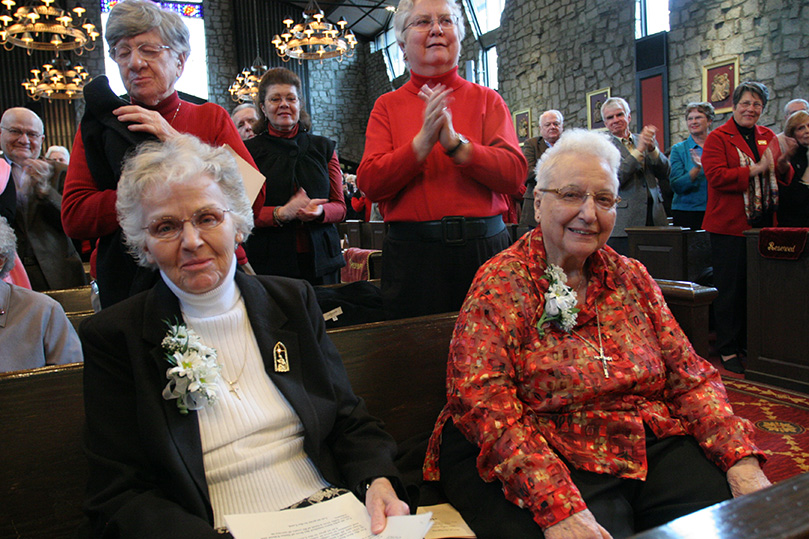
(106, 143)
(289, 164)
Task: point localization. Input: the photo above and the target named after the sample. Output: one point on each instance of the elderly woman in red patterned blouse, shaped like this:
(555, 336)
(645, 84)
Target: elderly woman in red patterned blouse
(576, 405)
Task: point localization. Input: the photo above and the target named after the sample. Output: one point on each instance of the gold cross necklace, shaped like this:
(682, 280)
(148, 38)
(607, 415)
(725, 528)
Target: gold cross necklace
(600, 357)
(234, 384)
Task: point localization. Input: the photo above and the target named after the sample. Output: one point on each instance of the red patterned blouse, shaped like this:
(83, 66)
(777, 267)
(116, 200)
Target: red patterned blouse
(526, 400)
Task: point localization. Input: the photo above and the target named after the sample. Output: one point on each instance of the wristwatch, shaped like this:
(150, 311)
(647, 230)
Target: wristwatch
(461, 141)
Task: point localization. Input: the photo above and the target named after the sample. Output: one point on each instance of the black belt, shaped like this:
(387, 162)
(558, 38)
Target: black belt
(450, 230)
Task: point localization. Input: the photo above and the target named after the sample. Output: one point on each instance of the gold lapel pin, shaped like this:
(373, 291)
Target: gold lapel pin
(280, 357)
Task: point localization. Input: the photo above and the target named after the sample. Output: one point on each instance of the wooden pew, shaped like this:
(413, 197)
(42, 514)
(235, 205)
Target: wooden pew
(399, 368)
(777, 512)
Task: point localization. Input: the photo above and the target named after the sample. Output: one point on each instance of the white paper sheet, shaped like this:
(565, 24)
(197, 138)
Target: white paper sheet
(343, 517)
(252, 178)
(447, 522)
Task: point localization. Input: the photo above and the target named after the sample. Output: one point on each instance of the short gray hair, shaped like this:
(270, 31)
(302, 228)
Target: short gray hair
(8, 247)
(552, 111)
(756, 88)
(405, 8)
(242, 107)
(177, 160)
(130, 18)
(613, 101)
(804, 103)
(56, 148)
(581, 143)
(702, 107)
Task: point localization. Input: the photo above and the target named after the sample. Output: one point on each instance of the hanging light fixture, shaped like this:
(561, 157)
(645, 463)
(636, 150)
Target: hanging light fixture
(315, 38)
(245, 88)
(57, 80)
(37, 25)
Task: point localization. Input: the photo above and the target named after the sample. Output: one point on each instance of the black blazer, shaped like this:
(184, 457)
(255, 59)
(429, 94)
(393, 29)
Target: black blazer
(146, 469)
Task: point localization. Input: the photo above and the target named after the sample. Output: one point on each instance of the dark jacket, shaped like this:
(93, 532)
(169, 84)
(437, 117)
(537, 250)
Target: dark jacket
(288, 164)
(146, 466)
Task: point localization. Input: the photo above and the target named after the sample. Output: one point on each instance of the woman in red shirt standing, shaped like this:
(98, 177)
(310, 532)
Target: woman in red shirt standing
(441, 159)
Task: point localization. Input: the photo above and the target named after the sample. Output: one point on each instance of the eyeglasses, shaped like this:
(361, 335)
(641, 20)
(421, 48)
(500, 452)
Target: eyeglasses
(17, 133)
(573, 196)
(751, 104)
(425, 24)
(147, 51)
(170, 228)
(276, 100)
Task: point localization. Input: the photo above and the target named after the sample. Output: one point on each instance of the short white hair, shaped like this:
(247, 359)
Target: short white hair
(583, 144)
(616, 102)
(177, 160)
(552, 111)
(405, 8)
(8, 247)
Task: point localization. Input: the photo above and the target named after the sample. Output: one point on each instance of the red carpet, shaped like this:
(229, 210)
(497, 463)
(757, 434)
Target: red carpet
(781, 419)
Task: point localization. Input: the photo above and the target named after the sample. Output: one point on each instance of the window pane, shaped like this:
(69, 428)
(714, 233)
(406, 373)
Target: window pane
(491, 68)
(194, 79)
(657, 16)
(488, 13)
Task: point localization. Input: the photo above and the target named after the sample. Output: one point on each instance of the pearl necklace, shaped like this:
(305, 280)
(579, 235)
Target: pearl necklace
(600, 357)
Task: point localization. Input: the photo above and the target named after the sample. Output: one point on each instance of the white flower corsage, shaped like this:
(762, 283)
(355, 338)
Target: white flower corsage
(194, 372)
(560, 301)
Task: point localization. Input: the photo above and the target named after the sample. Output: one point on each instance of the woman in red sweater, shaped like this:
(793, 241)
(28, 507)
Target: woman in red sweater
(441, 158)
(742, 168)
(150, 46)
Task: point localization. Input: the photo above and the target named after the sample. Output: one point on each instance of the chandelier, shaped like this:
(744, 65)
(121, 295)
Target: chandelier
(57, 80)
(37, 25)
(245, 88)
(314, 38)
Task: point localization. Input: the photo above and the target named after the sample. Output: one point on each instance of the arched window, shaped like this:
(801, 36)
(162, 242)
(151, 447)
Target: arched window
(195, 76)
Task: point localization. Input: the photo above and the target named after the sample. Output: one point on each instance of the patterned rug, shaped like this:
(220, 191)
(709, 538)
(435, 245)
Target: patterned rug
(781, 419)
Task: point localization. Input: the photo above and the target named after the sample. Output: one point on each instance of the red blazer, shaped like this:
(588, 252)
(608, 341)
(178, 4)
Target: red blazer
(727, 180)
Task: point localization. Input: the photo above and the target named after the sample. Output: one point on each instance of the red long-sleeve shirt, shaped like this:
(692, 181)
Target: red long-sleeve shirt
(409, 190)
(526, 399)
(89, 212)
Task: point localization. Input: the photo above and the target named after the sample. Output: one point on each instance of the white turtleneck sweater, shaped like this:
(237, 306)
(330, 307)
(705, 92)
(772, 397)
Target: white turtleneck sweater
(252, 447)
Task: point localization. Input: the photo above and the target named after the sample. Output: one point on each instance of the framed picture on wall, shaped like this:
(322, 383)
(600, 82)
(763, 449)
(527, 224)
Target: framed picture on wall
(522, 125)
(594, 101)
(718, 82)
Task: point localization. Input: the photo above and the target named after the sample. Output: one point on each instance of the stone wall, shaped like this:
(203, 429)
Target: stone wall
(341, 100)
(770, 39)
(557, 52)
(221, 48)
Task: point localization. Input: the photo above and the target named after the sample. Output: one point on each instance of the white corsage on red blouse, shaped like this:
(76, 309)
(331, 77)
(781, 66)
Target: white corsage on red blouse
(194, 372)
(560, 301)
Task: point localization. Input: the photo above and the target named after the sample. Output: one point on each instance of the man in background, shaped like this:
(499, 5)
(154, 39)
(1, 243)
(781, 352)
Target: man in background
(49, 257)
(643, 175)
(244, 116)
(551, 125)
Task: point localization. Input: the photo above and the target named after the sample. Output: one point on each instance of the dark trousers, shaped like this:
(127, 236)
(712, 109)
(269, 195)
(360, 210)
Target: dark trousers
(430, 277)
(689, 219)
(680, 480)
(729, 259)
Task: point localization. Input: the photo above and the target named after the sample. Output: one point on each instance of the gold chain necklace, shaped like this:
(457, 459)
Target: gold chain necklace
(234, 384)
(600, 357)
(175, 114)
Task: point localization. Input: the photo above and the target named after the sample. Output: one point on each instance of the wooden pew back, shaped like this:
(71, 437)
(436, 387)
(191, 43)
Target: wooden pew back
(43, 471)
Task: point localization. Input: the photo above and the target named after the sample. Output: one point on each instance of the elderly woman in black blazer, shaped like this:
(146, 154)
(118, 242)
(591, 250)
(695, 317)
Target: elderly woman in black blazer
(215, 392)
